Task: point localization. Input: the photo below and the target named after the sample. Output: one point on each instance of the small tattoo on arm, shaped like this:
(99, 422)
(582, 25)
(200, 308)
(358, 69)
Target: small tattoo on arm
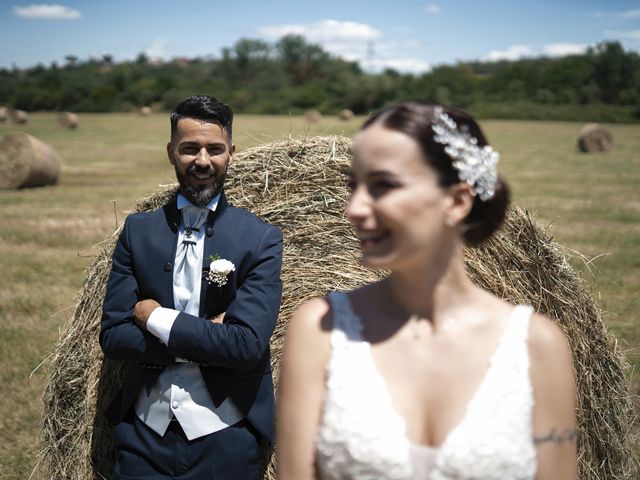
(566, 435)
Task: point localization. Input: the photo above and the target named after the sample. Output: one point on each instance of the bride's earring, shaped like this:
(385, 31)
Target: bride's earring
(449, 222)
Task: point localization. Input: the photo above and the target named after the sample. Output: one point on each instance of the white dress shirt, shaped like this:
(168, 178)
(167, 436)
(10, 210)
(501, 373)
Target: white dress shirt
(180, 390)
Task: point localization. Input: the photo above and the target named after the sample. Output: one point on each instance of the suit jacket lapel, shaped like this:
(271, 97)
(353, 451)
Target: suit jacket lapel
(168, 243)
(210, 247)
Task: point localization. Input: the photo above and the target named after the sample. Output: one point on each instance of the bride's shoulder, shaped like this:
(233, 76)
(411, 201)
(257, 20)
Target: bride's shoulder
(551, 363)
(311, 316)
(543, 333)
(546, 339)
(552, 377)
(545, 336)
(307, 339)
(314, 316)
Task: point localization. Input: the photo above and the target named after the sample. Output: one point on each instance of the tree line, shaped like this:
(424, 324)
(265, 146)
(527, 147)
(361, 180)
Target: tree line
(293, 75)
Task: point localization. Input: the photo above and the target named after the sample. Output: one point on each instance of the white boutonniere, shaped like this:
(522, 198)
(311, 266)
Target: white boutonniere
(219, 270)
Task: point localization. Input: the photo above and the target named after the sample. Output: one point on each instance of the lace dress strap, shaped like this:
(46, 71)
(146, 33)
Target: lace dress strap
(520, 319)
(514, 344)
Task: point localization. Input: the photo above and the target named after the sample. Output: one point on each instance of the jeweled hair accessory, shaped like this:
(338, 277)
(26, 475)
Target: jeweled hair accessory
(475, 165)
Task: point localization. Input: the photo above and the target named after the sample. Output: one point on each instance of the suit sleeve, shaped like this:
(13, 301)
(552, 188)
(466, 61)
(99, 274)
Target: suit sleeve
(243, 339)
(120, 337)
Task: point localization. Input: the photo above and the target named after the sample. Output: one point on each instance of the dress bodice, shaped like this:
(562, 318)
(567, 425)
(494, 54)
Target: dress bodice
(362, 437)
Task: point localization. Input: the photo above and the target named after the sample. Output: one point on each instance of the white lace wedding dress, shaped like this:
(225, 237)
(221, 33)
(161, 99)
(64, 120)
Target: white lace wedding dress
(362, 437)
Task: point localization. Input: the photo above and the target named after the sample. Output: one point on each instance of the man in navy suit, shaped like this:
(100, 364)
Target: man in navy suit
(197, 398)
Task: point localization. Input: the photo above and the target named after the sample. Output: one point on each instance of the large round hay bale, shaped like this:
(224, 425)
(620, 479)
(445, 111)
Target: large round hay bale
(19, 116)
(68, 120)
(312, 116)
(302, 187)
(345, 114)
(27, 162)
(3, 113)
(594, 138)
(146, 111)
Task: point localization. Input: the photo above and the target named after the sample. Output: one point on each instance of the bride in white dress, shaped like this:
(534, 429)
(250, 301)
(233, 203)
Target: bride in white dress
(424, 375)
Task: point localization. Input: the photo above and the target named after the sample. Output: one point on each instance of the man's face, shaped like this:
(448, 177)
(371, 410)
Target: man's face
(201, 153)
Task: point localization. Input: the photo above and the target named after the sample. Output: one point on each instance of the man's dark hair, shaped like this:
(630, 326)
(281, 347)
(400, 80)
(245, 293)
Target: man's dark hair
(206, 108)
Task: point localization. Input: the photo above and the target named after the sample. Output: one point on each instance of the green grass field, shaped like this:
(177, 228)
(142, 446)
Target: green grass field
(49, 235)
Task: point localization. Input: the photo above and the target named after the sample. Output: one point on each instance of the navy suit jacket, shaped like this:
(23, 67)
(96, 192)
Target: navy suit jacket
(234, 356)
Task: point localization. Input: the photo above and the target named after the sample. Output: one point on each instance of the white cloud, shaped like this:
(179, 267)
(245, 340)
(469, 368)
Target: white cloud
(325, 31)
(157, 49)
(514, 52)
(631, 14)
(432, 8)
(402, 45)
(349, 40)
(404, 65)
(562, 49)
(634, 13)
(278, 31)
(352, 41)
(48, 12)
(633, 34)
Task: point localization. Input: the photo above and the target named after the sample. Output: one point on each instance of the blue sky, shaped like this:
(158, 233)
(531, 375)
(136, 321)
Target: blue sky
(411, 35)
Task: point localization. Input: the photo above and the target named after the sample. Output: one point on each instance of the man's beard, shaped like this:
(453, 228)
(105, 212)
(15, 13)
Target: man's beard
(200, 195)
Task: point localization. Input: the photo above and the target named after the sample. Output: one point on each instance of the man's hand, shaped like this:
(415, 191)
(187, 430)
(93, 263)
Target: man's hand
(142, 310)
(218, 318)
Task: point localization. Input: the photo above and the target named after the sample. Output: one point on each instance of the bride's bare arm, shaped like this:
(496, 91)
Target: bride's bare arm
(554, 418)
(301, 390)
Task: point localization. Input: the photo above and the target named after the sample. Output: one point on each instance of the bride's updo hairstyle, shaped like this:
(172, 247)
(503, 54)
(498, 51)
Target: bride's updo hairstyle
(416, 119)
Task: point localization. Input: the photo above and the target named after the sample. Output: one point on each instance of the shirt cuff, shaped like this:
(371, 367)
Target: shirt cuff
(160, 322)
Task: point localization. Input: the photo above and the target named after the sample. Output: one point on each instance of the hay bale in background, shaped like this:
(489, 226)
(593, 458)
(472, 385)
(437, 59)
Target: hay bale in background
(146, 111)
(301, 186)
(3, 113)
(26, 162)
(345, 114)
(312, 116)
(594, 138)
(19, 116)
(68, 120)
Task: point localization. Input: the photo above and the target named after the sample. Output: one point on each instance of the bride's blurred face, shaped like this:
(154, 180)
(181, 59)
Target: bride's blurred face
(396, 205)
